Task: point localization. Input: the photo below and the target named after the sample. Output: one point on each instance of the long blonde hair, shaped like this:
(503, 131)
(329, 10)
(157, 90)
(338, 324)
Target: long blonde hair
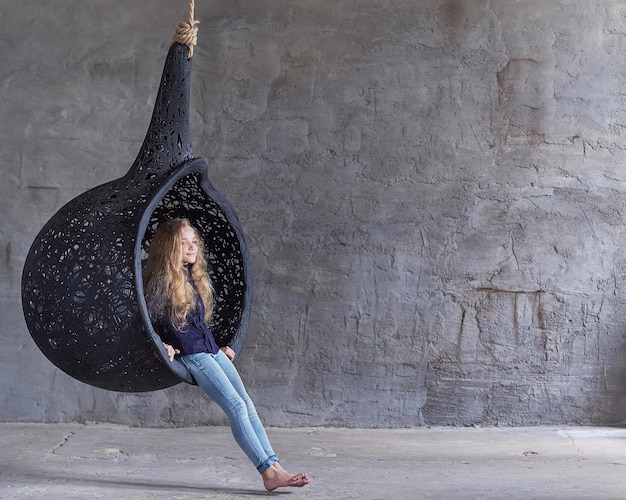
(166, 286)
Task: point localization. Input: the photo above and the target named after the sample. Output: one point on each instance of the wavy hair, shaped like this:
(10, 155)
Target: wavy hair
(166, 285)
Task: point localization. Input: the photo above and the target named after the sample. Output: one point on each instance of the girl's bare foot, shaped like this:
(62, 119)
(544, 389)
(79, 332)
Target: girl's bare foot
(277, 477)
(279, 467)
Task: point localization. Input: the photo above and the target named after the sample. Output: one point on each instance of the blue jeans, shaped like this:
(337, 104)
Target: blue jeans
(218, 377)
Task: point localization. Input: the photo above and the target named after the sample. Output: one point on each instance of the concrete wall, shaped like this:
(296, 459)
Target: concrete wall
(432, 193)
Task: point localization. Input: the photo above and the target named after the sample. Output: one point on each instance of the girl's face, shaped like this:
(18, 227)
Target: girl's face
(189, 243)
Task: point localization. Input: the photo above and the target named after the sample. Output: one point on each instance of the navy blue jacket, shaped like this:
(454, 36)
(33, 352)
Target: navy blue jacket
(194, 337)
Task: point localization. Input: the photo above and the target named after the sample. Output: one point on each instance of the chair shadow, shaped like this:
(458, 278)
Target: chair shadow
(15, 475)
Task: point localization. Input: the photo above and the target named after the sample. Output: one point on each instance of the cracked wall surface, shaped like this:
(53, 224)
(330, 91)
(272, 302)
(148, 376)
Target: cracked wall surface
(432, 194)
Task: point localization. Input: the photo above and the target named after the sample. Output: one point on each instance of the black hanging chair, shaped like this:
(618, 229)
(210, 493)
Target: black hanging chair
(82, 291)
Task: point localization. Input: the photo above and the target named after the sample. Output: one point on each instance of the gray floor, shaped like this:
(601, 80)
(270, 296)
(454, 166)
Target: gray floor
(73, 461)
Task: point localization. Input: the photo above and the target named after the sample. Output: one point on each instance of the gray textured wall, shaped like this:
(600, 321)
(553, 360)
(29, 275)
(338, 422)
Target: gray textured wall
(432, 193)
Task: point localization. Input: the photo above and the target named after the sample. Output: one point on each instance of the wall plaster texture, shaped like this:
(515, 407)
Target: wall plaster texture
(432, 193)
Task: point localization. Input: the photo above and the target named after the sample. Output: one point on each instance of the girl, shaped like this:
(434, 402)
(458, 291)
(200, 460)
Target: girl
(179, 296)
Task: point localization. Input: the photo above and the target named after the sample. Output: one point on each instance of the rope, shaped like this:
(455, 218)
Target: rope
(187, 32)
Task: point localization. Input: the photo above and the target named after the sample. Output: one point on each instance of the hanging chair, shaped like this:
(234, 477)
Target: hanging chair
(82, 291)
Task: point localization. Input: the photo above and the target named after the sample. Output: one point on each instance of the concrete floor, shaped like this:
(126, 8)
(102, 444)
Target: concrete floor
(74, 461)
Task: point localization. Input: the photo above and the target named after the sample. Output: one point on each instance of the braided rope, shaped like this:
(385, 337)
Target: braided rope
(187, 32)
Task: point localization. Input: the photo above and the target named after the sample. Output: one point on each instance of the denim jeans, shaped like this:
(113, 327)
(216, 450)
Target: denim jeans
(218, 377)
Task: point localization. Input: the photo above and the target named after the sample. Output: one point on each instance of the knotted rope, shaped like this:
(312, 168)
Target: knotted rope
(187, 32)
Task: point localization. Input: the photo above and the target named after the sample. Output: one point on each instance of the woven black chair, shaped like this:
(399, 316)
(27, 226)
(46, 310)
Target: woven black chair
(82, 291)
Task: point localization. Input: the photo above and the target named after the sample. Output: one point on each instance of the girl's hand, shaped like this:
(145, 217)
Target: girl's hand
(229, 352)
(171, 352)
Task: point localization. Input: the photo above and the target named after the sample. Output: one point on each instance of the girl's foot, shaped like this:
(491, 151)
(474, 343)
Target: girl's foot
(277, 477)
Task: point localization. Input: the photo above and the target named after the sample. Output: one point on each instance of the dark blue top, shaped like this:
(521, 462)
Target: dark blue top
(194, 337)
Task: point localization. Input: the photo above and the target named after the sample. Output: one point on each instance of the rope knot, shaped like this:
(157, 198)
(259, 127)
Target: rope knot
(187, 34)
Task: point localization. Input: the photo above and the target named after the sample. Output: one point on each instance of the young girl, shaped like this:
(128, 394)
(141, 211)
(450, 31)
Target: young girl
(179, 296)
